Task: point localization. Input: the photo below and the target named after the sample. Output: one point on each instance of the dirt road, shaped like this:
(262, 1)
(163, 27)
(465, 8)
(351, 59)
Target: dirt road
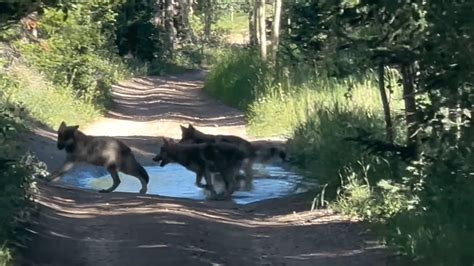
(81, 227)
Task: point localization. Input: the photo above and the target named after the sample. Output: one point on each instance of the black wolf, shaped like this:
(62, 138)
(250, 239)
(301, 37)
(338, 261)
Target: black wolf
(205, 159)
(254, 152)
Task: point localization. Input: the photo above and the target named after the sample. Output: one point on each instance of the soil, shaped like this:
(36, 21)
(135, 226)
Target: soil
(83, 227)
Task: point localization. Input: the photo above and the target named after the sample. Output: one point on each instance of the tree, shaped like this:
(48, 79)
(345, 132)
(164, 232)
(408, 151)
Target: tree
(262, 29)
(207, 19)
(186, 7)
(253, 23)
(276, 29)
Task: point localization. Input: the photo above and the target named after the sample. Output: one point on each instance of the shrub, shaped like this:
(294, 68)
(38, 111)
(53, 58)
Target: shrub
(77, 51)
(236, 78)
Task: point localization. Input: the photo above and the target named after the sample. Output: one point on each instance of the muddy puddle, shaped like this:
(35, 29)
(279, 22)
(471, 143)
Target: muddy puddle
(271, 181)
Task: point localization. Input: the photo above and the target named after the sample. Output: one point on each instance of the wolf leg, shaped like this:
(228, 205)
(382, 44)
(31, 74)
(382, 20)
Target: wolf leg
(248, 175)
(199, 180)
(133, 168)
(67, 165)
(209, 185)
(115, 177)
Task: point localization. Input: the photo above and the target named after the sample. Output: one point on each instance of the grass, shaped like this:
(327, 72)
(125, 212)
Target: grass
(235, 78)
(316, 113)
(44, 102)
(236, 26)
(280, 111)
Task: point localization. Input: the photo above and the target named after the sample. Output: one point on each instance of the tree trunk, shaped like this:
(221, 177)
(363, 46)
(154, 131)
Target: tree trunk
(252, 25)
(410, 103)
(276, 29)
(386, 105)
(262, 30)
(207, 20)
(169, 26)
(186, 12)
(158, 18)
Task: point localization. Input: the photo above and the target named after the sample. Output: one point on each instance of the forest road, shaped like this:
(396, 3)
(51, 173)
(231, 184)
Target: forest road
(82, 227)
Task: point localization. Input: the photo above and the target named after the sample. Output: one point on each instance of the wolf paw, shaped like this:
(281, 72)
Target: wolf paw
(104, 191)
(143, 191)
(221, 197)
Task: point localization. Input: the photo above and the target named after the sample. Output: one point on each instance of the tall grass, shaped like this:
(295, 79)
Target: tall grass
(282, 109)
(43, 102)
(316, 112)
(235, 78)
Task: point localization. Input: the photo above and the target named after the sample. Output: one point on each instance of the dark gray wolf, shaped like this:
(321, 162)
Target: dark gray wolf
(205, 159)
(101, 151)
(254, 152)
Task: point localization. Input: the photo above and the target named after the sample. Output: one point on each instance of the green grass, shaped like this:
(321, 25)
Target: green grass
(236, 28)
(280, 111)
(316, 112)
(44, 102)
(236, 78)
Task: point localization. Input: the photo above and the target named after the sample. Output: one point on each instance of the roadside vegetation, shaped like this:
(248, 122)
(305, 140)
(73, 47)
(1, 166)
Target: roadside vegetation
(381, 118)
(374, 96)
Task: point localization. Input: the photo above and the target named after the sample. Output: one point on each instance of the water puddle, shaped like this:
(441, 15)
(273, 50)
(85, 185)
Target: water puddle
(271, 181)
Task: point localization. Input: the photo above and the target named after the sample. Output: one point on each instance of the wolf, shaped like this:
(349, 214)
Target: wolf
(108, 152)
(205, 159)
(254, 152)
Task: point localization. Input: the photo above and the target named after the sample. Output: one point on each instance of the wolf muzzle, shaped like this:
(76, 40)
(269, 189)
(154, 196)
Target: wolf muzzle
(157, 158)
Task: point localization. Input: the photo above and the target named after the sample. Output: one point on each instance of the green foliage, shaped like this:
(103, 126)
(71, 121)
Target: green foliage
(12, 11)
(236, 27)
(292, 101)
(40, 100)
(16, 187)
(236, 78)
(136, 33)
(376, 203)
(16, 184)
(77, 50)
(427, 210)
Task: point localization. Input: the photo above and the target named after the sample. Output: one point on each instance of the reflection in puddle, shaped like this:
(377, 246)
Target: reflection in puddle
(176, 181)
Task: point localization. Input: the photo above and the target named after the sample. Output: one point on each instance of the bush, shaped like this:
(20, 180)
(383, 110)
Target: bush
(16, 186)
(77, 51)
(24, 88)
(236, 78)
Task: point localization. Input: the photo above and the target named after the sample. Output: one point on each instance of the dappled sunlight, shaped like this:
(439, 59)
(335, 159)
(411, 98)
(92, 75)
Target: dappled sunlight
(336, 254)
(172, 98)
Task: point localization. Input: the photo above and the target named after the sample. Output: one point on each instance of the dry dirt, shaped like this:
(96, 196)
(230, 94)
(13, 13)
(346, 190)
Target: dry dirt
(83, 227)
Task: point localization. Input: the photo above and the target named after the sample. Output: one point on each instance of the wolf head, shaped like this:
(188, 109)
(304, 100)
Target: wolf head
(66, 136)
(187, 134)
(163, 156)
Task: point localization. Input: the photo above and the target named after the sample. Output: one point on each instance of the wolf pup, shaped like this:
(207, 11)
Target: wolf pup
(205, 159)
(258, 152)
(101, 151)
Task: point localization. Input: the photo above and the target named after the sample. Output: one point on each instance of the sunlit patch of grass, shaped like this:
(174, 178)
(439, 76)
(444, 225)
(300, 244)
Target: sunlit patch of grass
(235, 78)
(43, 102)
(236, 26)
(280, 111)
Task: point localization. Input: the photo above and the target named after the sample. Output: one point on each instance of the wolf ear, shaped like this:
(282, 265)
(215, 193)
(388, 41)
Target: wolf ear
(75, 127)
(190, 127)
(62, 126)
(183, 129)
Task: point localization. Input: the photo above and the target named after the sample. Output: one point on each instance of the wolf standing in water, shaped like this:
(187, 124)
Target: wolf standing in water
(205, 159)
(254, 152)
(101, 151)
